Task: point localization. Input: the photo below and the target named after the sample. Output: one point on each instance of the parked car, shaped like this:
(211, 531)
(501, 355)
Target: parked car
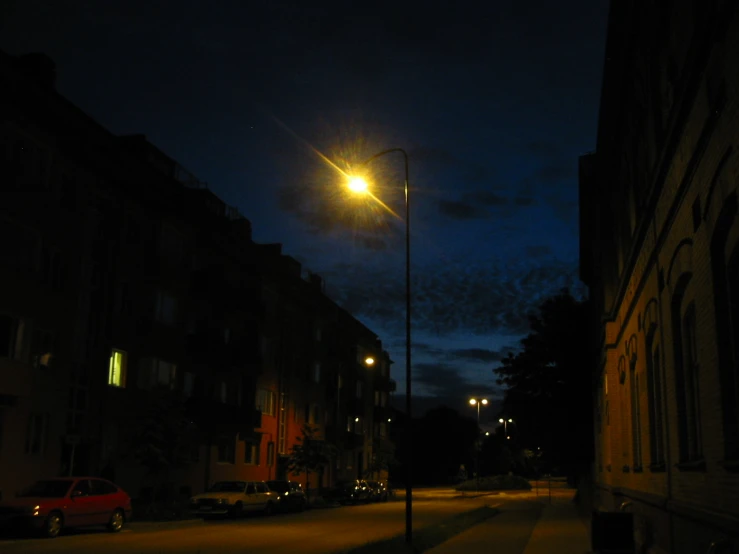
(378, 491)
(346, 492)
(234, 498)
(53, 504)
(291, 497)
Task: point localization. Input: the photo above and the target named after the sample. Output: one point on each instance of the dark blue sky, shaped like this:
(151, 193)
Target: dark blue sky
(494, 101)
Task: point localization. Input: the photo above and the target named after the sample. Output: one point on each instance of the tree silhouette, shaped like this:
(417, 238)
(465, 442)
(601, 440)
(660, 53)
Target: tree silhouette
(549, 385)
(309, 455)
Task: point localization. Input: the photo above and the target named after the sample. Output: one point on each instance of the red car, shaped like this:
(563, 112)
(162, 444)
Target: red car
(52, 504)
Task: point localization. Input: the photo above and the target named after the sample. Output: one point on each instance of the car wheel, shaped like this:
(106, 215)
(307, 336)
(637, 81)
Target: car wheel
(237, 510)
(268, 509)
(117, 519)
(53, 525)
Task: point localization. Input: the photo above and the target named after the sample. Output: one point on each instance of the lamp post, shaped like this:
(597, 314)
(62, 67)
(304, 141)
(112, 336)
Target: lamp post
(358, 184)
(473, 402)
(505, 423)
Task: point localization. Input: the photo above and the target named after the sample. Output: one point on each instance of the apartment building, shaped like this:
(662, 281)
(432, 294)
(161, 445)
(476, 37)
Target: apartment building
(138, 317)
(659, 238)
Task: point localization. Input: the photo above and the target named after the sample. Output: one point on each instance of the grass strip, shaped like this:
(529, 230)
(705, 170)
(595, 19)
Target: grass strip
(427, 537)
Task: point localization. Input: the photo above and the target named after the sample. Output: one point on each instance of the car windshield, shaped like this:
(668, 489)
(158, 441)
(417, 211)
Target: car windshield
(56, 488)
(278, 486)
(228, 486)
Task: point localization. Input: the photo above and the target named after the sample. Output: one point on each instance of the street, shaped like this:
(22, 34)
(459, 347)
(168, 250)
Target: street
(315, 531)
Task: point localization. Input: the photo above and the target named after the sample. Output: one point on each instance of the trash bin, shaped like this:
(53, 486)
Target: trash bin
(612, 532)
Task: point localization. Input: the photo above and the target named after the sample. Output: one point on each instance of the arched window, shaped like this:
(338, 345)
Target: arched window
(725, 268)
(636, 430)
(686, 376)
(654, 374)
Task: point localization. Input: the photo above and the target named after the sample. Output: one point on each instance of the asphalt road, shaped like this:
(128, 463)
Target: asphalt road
(315, 531)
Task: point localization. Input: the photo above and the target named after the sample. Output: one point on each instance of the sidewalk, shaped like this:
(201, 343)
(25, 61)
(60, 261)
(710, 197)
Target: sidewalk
(559, 530)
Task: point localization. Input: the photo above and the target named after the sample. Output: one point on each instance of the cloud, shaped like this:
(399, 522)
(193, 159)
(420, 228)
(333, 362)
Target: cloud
(524, 201)
(538, 251)
(457, 209)
(478, 297)
(472, 205)
(478, 354)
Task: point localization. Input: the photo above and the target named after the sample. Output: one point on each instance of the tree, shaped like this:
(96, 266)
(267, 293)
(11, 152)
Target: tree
(310, 454)
(549, 384)
(161, 436)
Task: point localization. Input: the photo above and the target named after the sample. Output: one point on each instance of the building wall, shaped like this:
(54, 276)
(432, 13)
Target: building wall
(109, 215)
(666, 170)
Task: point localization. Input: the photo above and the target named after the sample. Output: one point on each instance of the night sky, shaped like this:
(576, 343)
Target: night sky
(494, 102)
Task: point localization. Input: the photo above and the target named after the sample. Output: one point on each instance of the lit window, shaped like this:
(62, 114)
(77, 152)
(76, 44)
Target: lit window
(117, 368)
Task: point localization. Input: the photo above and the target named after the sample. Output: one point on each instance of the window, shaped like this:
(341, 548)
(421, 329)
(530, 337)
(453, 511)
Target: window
(166, 305)
(222, 395)
(187, 384)
(318, 334)
(36, 433)
(316, 415)
(383, 429)
(42, 348)
(377, 398)
(317, 372)
(690, 369)
(635, 415)
(725, 272)
(251, 453)
(154, 372)
(226, 450)
(266, 402)
(11, 337)
(226, 335)
(117, 368)
(270, 453)
(262, 487)
(686, 380)
(359, 389)
(654, 389)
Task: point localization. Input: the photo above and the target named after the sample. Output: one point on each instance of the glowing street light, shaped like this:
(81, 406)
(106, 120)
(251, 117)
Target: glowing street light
(477, 402)
(505, 423)
(369, 360)
(359, 185)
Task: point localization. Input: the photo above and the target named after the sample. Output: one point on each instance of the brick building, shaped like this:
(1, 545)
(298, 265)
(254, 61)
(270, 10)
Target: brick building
(137, 313)
(659, 244)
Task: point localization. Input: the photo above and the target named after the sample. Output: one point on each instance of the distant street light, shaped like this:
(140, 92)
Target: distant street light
(369, 360)
(505, 423)
(473, 402)
(359, 185)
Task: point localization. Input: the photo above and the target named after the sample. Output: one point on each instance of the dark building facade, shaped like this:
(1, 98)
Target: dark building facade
(659, 244)
(137, 315)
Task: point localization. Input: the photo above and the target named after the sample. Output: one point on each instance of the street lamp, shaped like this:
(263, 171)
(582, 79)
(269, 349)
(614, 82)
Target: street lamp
(473, 402)
(505, 423)
(359, 185)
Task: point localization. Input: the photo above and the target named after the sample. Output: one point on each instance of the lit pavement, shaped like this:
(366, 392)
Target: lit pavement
(315, 531)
